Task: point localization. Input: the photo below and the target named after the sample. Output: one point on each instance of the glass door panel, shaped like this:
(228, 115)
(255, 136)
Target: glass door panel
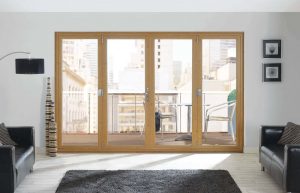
(219, 91)
(173, 91)
(79, 92)
(126, 87)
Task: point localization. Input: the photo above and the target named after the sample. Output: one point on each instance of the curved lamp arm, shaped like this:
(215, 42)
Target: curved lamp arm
(28, 53)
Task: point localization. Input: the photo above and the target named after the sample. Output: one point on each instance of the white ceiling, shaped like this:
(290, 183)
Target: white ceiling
(149, 5)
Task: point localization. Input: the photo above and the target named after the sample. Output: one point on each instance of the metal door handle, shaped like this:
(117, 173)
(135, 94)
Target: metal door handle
(100, 92)
(147, 94)
(199, 92)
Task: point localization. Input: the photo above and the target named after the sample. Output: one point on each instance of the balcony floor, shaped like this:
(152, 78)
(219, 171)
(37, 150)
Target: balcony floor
(212, 138)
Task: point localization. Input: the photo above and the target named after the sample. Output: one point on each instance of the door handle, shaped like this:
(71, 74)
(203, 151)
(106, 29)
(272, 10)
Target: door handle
(100, 92)
(199, 92)
(147, 95)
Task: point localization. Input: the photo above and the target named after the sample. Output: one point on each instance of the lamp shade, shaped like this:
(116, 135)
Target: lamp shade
(29, 66)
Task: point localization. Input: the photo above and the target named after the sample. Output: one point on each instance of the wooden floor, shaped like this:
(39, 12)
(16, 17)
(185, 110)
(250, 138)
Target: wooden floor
(244, 168)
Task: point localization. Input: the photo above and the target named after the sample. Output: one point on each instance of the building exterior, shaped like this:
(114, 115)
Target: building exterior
(74, 108)
(80, 85)
(126, 83)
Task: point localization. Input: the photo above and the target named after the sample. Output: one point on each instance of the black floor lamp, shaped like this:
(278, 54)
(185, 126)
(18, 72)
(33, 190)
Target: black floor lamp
(27, 65)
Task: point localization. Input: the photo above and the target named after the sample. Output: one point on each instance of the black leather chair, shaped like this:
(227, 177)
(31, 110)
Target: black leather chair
(282, 162)
(16, 162)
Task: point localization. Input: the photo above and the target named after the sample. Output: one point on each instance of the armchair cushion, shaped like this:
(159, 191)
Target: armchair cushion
(5, 137)
(290, 132)
(22, 153)
(273, 150)
(24, 162)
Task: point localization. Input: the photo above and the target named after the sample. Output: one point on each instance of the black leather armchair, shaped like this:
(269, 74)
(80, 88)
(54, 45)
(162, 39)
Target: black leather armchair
(16, 162)
(281, 162)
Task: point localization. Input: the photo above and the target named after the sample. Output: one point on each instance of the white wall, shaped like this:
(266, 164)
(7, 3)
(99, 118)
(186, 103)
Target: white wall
(22, 101)
(149, 6)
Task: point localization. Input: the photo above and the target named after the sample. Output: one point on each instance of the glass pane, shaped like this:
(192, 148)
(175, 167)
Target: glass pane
(173, 91)
(219, 91)
(80, 85)
(126, 87)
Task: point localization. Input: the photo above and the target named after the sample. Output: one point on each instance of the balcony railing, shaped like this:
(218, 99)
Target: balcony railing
(126, 110)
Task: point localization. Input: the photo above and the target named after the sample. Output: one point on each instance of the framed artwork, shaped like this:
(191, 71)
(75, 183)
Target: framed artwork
(272, 72)
(272, 48)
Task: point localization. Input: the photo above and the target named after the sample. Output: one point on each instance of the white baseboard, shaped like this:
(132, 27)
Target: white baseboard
(40, 150)
(251, 150)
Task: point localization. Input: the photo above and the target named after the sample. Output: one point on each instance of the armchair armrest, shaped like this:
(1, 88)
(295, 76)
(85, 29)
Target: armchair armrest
(291, 167)
(270, 134)
(23, 136)
(7, 168)
(7, 155)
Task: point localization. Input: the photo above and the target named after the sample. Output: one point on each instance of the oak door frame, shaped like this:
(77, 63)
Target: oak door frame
(59, 37)
(149, 63)
(239, 37)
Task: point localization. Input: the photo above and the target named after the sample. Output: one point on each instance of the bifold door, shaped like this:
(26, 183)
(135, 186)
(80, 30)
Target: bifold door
(149, 92)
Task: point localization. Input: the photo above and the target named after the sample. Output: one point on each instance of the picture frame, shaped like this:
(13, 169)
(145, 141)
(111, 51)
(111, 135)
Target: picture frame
(272, 72)
(272, 48)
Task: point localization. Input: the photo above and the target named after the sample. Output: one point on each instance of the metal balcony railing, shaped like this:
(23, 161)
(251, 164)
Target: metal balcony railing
(126, 110)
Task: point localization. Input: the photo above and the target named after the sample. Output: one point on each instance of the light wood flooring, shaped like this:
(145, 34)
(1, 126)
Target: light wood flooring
(244, 168)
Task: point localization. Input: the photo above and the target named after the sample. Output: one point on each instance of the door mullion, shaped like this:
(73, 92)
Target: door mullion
(199, 81)
(150, 85)
(196, 97)
(103, 85)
